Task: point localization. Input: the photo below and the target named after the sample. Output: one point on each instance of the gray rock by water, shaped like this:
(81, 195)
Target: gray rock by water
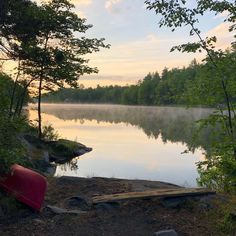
(170, 232)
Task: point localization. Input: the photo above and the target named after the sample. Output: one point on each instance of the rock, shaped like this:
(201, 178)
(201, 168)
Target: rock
(170, 232)
(32, 140)
(41, 153)
(63, 151)
(38, 221)
(173, 202)
(50, 171)
(58, 210)
(46, 156)
(208, 202)
(78, 202)
(37, 154)
(82, 151)
(107, 206)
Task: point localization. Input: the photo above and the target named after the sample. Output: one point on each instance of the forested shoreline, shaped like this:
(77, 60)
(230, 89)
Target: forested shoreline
(172, 87)
(154, 89)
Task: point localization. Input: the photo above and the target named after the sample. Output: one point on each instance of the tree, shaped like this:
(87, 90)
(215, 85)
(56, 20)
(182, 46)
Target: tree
(147, 89)
(18, 27)
(48, 45)
(11, 150)
(55, 57)
(130, 95)
(219, 64)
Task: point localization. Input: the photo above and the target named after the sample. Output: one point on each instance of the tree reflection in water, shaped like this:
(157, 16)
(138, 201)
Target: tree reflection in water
(174, 124)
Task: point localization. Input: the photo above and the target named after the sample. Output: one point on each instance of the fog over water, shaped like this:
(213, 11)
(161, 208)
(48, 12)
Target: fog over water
(134, 142)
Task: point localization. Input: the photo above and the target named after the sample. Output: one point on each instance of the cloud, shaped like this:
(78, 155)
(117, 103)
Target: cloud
(223, 14)
(134, 59)
(111, 6)
(224, 37)
(220, 30)
(94, 80)
(80, 13)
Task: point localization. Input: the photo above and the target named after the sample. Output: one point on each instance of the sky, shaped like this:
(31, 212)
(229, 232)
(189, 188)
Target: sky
(138, 45)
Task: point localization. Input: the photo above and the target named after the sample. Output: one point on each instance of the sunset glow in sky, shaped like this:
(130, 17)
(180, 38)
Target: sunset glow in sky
(138, 46)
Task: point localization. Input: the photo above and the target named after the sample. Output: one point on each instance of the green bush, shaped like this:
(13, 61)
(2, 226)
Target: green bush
(11, 149)
(49, 133)
(218, 171)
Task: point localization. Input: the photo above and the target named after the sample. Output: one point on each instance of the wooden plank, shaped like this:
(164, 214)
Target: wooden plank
(161, 193)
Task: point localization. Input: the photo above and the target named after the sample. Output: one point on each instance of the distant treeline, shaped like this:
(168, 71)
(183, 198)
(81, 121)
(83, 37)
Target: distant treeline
(171, 87)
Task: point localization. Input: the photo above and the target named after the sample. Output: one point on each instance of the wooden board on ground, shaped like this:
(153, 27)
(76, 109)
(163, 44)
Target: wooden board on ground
(161, 193)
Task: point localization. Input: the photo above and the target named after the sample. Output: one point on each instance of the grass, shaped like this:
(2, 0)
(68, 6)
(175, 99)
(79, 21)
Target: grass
(222, 218)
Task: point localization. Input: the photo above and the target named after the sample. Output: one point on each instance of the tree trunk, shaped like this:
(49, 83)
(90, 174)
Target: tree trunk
(39, 109)
(21, 102)
(40, 92)
(14, 90)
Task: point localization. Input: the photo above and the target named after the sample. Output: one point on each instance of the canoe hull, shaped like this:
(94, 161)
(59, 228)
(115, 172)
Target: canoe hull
(26, 185)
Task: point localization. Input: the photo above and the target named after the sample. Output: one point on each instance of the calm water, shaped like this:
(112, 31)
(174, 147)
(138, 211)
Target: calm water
(130, 142)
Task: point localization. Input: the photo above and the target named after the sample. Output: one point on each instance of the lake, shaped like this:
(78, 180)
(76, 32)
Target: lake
(133, 142)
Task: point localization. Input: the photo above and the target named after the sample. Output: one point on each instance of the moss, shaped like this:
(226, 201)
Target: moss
(60, 151)
(64, 148)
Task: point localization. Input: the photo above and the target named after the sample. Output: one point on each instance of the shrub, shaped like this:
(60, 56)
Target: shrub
(218, 171)
(11, 149)
(49, 133)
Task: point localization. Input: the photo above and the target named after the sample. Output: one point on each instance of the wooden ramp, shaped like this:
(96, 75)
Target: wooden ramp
(157, 193)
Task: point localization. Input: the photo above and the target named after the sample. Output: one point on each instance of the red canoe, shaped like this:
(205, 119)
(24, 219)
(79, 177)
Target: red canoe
(26, 185)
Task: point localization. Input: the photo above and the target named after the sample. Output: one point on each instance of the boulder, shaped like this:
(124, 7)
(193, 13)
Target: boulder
(78, 203)
(107, 206)
(173, 202)
(42, 153)
(63, 150)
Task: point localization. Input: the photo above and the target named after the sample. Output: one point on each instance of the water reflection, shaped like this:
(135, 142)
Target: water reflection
(131, 142)
(173, 124)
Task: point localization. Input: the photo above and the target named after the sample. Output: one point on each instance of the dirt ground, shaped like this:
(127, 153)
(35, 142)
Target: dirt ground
(131, 218)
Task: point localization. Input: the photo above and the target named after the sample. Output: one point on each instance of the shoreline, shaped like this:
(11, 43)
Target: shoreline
(68, 210)
(125, 105)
